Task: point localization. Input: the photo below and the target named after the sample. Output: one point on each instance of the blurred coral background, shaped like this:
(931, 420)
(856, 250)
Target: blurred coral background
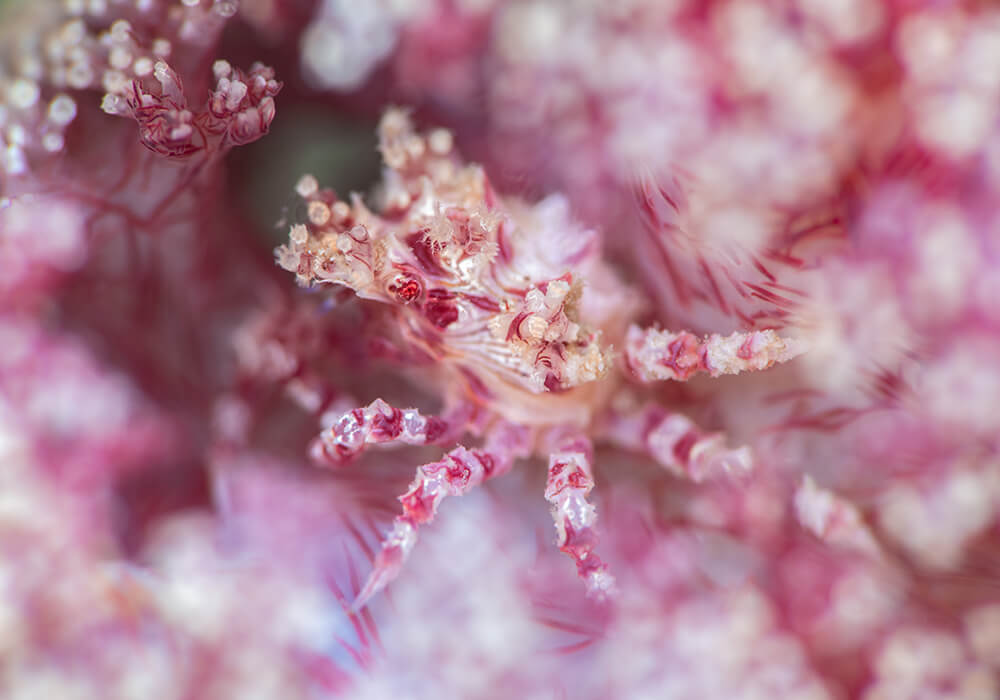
(671, 327)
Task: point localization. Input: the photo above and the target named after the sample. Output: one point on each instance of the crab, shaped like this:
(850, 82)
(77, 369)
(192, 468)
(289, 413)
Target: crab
(508, 311)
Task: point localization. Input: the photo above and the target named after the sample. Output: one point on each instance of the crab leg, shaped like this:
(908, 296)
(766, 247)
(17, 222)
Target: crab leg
(570, 480)
(377, 423)
(833, 519)
(677, 444)
(456, 474)
(655, 355)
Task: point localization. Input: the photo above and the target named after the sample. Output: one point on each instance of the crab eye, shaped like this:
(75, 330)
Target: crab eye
(405, 289)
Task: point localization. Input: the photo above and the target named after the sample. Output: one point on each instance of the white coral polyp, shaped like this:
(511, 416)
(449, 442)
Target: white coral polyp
(346, 40)
(40, 231)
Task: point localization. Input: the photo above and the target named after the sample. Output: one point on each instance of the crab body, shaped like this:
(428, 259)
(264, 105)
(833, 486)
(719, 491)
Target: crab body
(508, 311)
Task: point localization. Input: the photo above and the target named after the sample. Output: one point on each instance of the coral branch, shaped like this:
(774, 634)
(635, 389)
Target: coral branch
(378, 423)
(675, 442)
(569, 482)
(654, 355)
(60, 50)
(239, 110)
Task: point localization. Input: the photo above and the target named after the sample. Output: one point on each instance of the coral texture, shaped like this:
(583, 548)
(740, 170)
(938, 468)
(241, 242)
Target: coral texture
(661, 360)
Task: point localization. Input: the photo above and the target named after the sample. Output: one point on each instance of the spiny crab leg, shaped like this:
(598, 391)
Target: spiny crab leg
(376, 423)
(677, 444)
(833, 519)
(655, 355)
(456, 474)
(570, 480)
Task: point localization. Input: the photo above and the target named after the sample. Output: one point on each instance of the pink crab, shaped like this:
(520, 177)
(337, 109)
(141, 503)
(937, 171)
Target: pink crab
(507, 310)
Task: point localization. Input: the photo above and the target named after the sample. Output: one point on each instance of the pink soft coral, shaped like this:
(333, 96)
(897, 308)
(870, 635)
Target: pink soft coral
(671, 193)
